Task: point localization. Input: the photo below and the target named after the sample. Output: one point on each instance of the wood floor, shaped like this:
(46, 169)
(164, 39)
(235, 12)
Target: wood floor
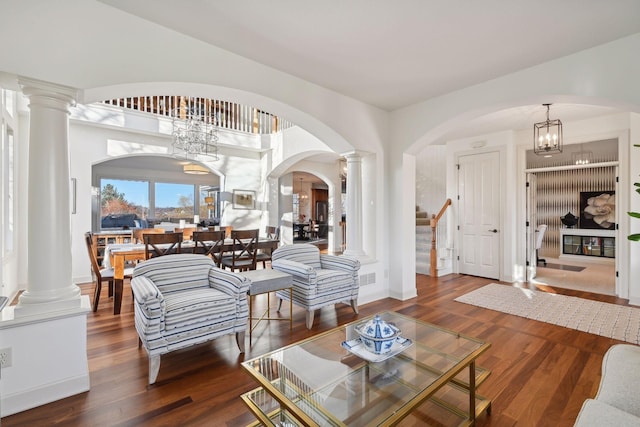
(541, 373)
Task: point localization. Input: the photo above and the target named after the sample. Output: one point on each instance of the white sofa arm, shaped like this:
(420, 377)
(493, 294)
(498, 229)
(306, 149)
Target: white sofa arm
(598, 414)
(620, 382)
(235, 285)
(339, 262)
(302, 272)
(229, 282)
(150, 304)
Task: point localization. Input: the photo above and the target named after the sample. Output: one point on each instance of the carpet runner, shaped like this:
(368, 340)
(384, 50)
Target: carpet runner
(600, 318)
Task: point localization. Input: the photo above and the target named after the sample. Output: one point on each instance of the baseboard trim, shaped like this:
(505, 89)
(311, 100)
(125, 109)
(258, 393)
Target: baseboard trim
(48, 393)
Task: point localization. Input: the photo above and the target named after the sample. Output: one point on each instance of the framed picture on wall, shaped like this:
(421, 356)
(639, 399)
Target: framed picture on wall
(244, 199)
(598, 209)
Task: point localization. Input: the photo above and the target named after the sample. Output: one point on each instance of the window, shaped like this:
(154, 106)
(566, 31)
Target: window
(144, 203)
(9, 101)
(123, 201)
(174, 201)
(8, 161)
(8, 190)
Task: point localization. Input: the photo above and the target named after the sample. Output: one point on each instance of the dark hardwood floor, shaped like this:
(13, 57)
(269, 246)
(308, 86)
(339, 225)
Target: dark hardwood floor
(541, 373)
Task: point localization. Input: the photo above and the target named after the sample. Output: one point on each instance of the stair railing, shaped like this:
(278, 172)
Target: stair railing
(433, 258)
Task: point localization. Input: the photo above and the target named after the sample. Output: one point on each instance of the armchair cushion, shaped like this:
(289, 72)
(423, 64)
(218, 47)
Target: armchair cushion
(331, 278)
(196, 306)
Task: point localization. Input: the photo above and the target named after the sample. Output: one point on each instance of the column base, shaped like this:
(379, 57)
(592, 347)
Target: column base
(49, 357)
(354, 253)
(36, 303)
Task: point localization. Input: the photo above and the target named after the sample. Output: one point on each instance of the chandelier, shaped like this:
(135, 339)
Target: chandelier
(583, 157)
(302, 195)
(547, 136)
(195, 135)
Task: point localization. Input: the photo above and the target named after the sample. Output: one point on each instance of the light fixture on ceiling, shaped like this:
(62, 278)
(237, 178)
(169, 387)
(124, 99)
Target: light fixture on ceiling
(547, 136)
(582, 157)
(195, 134)
(194, 169)
(302, 195)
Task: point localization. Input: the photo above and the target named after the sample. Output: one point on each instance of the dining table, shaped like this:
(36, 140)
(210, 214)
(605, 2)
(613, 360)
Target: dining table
(117, 255)
(301, 229)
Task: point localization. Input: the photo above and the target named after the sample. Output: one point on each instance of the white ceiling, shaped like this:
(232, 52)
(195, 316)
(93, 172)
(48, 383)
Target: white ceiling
(391, 54)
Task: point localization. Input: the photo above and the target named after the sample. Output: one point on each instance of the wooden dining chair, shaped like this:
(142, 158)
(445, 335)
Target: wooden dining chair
(209, 243)
(243, 257)
(101, 275)
(161, 244)
(227, 229)
(187, 233)
(139, 232)
(313, 229)
(264, 255)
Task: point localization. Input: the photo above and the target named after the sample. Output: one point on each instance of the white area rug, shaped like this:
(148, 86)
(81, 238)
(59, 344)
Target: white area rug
(600, 318)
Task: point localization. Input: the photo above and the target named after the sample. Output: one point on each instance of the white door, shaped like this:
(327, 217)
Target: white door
(479, 216)
(532, 224)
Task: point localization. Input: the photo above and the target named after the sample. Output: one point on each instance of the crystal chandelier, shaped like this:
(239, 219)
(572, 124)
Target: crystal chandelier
(547, 136)
(195, 135)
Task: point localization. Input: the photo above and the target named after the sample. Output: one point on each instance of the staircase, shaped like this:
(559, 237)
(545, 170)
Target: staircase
(423, 247)
(423, 241)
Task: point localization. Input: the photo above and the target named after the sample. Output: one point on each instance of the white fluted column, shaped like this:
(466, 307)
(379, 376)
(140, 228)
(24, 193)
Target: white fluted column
(49, 282)
(354, 204)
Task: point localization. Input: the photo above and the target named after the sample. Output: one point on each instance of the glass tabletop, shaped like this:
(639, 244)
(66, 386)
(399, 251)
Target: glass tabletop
(321, 382)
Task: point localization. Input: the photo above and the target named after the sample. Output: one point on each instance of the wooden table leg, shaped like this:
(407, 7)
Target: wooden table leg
(118, 273)
(118, 285)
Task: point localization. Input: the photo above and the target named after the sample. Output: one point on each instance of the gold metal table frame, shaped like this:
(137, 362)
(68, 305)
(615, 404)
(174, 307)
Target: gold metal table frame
(316, 382)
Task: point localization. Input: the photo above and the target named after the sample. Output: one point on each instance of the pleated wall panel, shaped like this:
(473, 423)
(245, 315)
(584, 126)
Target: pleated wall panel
(558, 192)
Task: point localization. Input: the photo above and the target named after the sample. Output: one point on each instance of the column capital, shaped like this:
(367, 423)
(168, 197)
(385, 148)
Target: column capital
(355, 154)
(48, 94)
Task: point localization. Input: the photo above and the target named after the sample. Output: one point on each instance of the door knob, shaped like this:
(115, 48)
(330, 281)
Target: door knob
(494, 230)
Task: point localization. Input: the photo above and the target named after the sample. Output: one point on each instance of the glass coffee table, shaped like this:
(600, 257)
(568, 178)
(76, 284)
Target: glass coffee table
(432, 379)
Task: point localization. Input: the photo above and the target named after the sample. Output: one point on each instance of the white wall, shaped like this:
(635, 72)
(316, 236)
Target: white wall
(431, 179)
(634, 206)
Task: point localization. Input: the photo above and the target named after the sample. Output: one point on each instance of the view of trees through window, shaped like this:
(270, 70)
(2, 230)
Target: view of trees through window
(124, 197)
(167, 201)
(174, 201)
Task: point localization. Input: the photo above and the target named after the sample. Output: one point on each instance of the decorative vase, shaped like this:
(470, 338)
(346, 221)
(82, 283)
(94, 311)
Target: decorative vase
(377, 335)
(569, 220)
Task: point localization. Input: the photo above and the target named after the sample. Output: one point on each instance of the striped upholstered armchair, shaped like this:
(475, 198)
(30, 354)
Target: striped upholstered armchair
(184, 299)
(318, 279)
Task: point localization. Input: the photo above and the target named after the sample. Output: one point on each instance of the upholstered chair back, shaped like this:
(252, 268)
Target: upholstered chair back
(177, 272)
(303, 252)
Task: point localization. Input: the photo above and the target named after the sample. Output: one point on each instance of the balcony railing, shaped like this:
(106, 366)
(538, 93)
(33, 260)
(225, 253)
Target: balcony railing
(228, 115)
